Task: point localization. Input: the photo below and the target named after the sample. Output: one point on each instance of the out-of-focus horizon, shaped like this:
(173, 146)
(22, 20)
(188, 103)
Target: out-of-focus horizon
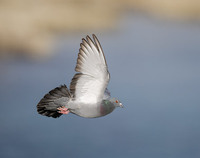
(30, 27)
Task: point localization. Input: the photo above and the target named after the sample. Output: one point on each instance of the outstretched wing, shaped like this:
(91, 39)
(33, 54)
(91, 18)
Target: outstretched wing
(89, 84)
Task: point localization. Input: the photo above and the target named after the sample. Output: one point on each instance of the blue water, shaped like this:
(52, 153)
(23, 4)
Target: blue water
(155, 72)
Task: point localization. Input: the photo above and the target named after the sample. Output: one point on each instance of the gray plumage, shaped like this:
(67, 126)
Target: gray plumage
(88, 95)
(51, 101)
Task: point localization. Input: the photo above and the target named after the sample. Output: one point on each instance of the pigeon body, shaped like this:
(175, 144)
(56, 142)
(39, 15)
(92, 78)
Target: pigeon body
(88, 96)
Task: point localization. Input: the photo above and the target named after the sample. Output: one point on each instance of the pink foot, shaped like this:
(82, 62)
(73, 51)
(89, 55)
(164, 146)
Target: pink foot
(63, 110)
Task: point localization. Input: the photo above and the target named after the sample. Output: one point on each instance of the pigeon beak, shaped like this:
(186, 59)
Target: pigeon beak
(120, 105)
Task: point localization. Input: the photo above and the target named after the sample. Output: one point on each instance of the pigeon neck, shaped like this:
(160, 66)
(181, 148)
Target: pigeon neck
(106, 107)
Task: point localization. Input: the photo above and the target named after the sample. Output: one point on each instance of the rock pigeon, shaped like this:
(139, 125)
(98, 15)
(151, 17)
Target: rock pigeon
(88, 96)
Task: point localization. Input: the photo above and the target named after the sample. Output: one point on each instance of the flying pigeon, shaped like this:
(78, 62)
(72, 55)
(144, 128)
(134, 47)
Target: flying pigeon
(88, 96)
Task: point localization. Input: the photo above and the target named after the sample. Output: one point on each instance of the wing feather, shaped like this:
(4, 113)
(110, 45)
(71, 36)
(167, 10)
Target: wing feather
(89, 84)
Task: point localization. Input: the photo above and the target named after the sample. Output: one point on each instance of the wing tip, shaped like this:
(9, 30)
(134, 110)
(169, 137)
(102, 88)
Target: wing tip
(94, 36)
(88, 39)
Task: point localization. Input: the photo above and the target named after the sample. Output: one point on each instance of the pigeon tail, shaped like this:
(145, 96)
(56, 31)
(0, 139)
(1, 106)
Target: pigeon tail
(54, 99)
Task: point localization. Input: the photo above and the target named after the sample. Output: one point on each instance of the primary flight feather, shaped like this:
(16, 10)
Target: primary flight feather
(88, 95)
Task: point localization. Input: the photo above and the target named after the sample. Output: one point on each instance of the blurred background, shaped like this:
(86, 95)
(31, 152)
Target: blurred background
(152, 49)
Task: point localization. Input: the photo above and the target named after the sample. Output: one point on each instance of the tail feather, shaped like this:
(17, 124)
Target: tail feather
(51, 101)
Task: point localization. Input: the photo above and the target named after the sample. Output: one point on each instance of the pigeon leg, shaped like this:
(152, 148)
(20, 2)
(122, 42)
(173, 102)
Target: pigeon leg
(63, 110)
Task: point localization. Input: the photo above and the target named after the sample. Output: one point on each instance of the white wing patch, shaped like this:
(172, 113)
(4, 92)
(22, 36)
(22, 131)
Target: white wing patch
(89, 84)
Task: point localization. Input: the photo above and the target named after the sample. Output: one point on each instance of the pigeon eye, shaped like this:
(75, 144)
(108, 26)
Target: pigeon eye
(116, 101)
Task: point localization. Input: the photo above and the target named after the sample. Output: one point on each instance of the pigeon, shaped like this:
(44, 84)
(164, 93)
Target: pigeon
(88, 95)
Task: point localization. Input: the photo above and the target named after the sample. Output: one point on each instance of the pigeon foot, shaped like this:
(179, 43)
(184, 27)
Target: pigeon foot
(63, 110)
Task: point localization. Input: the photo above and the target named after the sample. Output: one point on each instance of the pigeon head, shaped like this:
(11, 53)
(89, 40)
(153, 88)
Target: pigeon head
(116, 102)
